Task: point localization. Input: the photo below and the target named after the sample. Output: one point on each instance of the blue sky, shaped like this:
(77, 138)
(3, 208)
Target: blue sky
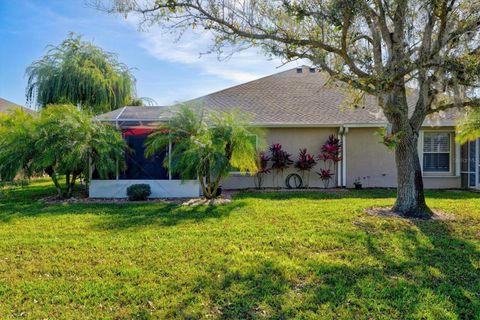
(166, 71)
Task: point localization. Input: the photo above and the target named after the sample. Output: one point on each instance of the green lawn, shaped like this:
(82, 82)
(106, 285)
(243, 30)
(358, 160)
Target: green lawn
(276, 255)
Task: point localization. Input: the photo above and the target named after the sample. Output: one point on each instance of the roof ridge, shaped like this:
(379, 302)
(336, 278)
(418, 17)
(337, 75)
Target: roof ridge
(246, 83)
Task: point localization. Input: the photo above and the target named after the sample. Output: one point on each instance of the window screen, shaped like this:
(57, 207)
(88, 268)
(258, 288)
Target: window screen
(139, 167)
(436, 152)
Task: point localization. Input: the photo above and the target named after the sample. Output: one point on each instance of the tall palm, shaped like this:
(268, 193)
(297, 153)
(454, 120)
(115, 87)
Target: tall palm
(207, 145)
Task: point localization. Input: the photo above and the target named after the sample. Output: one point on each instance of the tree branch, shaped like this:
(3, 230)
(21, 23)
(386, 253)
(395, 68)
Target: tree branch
(474, 103)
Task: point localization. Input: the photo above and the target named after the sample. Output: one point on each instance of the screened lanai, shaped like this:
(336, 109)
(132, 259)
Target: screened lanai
(135, 124)
(136, 117)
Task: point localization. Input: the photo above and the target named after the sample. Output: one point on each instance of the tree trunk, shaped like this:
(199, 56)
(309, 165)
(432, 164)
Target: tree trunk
(410, 196)
(202, 185)
(71, 185)
(51, 173)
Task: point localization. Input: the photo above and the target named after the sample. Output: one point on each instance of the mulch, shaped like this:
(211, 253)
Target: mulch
(226, 197)
(53, 200)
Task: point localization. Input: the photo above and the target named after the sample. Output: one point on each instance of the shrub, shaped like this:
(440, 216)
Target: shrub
(305, 162)
(330, 155)
(281, 160)
(263, 169)
(138, 192)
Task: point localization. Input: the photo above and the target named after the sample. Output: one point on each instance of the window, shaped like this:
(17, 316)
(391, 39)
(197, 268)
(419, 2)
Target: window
(436, 152)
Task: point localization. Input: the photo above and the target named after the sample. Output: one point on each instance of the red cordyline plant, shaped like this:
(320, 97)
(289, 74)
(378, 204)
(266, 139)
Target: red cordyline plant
(330, 155)
(325, 175)
(281, 160)
(305, 162)
(263, 169)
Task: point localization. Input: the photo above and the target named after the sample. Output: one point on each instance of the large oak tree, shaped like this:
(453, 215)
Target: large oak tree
(378, 47)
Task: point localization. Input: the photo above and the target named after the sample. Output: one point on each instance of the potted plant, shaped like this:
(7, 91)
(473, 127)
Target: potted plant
(305, 162)
(281, 160)
(357, 183)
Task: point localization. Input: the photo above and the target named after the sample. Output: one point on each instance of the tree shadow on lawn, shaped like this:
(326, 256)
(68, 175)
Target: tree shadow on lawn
(125, 215)
(167, 215)
(411, 288)
(437, 280)
(373, 193)
(251, 292)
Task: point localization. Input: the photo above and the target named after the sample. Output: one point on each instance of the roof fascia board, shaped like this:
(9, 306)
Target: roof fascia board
(446, 123)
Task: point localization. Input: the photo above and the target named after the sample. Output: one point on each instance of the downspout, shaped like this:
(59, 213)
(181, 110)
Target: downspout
(339, 165)
(344, 157)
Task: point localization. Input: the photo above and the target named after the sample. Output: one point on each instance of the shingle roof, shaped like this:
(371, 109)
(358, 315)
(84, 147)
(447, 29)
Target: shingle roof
(299, 98)
(288, 98)
(6, 105)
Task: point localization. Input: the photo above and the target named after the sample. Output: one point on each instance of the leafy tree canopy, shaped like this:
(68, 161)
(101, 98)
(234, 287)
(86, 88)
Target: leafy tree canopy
(80, 73)
(61, 140)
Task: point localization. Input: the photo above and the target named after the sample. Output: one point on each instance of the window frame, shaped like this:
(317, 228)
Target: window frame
(451, 155)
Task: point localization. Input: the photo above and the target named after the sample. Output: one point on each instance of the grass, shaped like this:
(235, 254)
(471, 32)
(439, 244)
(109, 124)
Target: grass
(277, 255)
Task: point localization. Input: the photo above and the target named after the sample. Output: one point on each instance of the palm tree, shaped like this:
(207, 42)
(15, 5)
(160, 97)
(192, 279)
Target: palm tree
(80, 73)
(17, 144)
(60, 141)
(207, 145)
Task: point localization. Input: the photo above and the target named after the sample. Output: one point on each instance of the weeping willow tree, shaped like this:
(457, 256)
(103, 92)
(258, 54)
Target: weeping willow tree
(80, 73)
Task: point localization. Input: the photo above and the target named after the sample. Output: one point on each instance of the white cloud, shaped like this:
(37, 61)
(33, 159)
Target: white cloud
(242, 66)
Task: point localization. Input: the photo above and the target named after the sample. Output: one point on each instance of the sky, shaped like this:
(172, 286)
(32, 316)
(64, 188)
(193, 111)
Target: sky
(166, 70)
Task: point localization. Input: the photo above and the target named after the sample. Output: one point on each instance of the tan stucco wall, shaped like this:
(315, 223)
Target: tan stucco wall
(369, 160)
(291, 139)
(366, 158)
(453, 182)
(374, 164)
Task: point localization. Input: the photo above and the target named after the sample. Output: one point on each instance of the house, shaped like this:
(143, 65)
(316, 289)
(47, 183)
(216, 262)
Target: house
(300, 108)
(7, 106)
